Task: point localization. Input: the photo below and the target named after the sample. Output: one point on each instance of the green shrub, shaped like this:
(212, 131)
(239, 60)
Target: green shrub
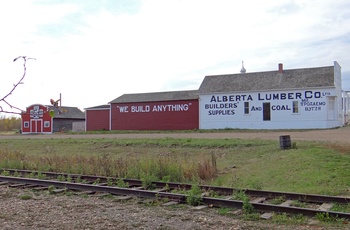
(194, 195)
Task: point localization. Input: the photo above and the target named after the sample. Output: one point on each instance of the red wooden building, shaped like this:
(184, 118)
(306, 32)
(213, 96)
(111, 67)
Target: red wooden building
(36, 119)
(175, 110)
(97, 118)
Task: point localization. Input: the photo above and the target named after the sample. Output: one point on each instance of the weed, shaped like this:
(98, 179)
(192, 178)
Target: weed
(341, 208)
(298, 204)
(224, 211)
(251, 216)
(78, 179)
(325, 217)
(122, 184)
(284, 218)
(25, 197)
(194, 195)
(69, 193)
(85, 196)
(41, 176)
(247, 207)
(97, 181)
(16, 174)
(51, 189)
(212, 193)
(61, 178)
(147, 181)
(110, 182)
(69, 179)
(239, 195)
(166, 178)
(278, 200)
(32, 175)
(5, 173)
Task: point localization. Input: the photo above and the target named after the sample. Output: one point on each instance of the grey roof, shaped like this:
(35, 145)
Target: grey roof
(99, 107)
(271, 80)
(67, 112)
(158, 96)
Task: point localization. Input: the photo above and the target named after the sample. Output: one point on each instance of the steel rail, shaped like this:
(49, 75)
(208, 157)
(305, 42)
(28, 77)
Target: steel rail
(220, 190)
(95, 188)
(171, 196)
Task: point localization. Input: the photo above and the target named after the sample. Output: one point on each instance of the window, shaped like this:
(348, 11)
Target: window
(266, 111)
(295, 107)
(47, 124)
(26, 124)
(246, 107)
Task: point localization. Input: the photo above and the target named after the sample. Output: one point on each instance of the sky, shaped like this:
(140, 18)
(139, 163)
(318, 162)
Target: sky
(91, 52)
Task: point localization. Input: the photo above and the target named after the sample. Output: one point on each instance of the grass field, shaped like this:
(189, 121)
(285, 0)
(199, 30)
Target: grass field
(310, 167)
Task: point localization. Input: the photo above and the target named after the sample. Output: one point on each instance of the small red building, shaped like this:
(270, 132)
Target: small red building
(36, 119)
(97, 118)
(47, 119)
(174, 110)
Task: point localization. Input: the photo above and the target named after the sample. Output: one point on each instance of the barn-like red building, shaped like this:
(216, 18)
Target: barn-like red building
(36, 119)
(174, 110)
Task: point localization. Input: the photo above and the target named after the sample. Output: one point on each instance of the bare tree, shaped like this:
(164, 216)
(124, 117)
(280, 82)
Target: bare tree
(4, 100)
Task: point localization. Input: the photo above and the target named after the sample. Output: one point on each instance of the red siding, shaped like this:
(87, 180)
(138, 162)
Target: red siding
(97, 119)
(164, 115)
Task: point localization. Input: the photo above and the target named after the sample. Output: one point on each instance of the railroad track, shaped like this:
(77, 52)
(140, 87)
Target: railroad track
(224, 196)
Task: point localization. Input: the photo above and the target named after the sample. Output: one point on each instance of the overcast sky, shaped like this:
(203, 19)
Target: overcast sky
(94, 51)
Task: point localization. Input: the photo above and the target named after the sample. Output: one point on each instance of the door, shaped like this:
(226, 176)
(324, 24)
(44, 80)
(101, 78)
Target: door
(266, 111)
(36, 125)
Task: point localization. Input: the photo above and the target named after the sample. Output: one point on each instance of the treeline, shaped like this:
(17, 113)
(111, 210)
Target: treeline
(9, 123)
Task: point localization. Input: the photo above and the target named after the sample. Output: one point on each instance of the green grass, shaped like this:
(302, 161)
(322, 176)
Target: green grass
(313, 167)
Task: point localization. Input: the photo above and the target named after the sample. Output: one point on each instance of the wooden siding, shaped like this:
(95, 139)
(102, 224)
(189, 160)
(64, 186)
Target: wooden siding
(64, 124)
(97, 119)
(162, 115)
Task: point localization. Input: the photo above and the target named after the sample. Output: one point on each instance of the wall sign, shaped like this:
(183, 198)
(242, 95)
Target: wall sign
(153, 108)
(228, 104)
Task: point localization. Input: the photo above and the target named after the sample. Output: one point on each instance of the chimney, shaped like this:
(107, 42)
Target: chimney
(280, 68)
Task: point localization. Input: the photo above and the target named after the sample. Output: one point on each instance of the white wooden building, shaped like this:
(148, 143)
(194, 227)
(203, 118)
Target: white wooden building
(305, 98)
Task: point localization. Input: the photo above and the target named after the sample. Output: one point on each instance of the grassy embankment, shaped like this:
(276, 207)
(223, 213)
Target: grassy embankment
(312, 167)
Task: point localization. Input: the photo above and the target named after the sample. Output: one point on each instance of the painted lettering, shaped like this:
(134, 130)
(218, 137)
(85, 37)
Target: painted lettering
(140, 109)
(123, 109)
(256, 108)
(170, 108)
(280, 107)
(290, 96)
(316, 108)
(221, 112)
(220, 106)
(231, 98)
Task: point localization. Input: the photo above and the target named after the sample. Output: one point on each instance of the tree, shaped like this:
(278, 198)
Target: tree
(4, 100)
(9, 123)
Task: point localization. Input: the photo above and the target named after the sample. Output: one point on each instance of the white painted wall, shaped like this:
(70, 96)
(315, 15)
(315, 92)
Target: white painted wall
(317, 108)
